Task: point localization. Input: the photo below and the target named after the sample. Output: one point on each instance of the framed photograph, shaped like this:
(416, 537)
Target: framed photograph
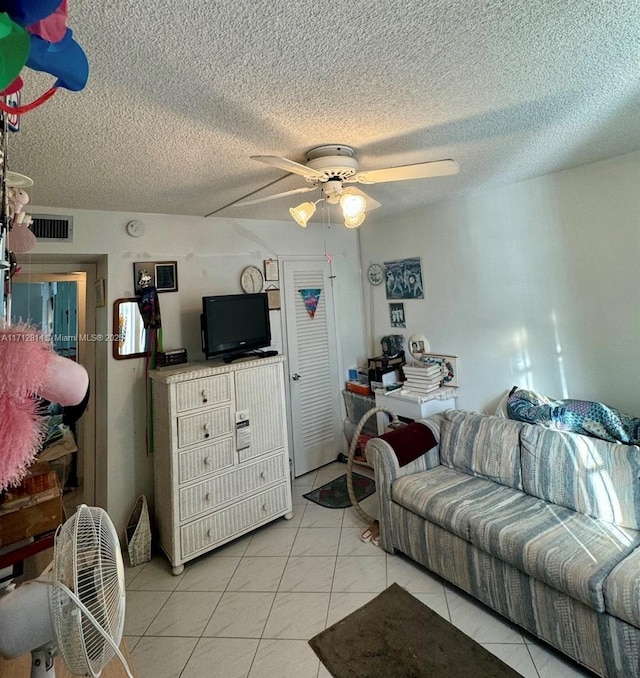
(403, 279)
(449, 364)
(163, 275)
(100, 292)
(167, 276)
(273, 298)
(271, 269)
(396, 315)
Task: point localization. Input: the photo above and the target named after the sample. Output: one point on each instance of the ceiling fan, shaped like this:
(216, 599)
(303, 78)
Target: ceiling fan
(329, 167)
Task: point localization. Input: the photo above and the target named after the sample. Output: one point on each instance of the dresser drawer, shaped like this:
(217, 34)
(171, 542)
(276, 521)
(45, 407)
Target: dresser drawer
(204, 460)
(204, 392)
(200, 428)
(217, 491)
(204, 533)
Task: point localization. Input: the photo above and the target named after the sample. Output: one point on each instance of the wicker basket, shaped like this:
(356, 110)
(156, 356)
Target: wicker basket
(138, 533)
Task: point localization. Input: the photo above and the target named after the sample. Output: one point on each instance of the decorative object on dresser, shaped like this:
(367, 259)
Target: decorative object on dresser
(221, 454)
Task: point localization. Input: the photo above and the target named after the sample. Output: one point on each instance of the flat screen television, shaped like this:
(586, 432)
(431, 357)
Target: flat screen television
(234, 324)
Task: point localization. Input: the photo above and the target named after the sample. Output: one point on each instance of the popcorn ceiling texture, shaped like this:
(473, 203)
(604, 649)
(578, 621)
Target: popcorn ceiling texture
(181, 94)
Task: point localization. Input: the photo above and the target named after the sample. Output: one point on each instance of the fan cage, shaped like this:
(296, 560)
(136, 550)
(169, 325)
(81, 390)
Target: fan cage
(87, 560)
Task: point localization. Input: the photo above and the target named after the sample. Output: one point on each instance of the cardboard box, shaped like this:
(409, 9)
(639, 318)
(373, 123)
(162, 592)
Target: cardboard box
(31, 515)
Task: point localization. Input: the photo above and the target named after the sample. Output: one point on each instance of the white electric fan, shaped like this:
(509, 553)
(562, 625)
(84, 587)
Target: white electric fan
(78, 611)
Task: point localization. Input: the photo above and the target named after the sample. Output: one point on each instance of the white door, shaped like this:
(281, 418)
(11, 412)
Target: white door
(314, 387)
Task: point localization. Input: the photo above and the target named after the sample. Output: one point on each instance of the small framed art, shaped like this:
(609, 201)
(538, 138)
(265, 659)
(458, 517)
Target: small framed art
(396, 315)
(273, 298)
(271, 271)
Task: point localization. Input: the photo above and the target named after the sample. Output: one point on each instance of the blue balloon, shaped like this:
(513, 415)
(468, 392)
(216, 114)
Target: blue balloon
(65, 60)
(25, 12)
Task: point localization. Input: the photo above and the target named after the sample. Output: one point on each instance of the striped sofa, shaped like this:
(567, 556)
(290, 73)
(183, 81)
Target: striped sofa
(541, 525)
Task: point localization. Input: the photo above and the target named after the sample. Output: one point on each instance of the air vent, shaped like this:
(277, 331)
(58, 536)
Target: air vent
(52, 227)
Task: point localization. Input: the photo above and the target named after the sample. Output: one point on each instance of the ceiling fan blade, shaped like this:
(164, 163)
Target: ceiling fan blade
(422, 170)
(371, 203)
(288, 166)
(304, 189)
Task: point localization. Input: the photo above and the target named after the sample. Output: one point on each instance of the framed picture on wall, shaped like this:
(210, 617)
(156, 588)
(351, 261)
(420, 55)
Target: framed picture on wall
(396, 315)
(403, 279)
(167, 276)
(163, 275)
(273, 298)
(271, 269)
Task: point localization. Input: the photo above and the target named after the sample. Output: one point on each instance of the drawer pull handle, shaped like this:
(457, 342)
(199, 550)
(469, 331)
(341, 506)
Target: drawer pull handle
(205, 461)
(205, 397)
(206, 497)
(264, 507)
(206, 429)
(209, 533)
(262, 475)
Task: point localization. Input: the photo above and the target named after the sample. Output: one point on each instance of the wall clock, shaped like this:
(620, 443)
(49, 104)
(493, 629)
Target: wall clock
(251, 280)
(375, 274)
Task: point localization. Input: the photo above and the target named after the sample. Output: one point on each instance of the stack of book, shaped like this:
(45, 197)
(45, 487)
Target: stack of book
(422, 379)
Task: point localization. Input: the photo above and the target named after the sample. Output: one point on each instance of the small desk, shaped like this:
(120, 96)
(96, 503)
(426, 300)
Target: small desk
(414, 408)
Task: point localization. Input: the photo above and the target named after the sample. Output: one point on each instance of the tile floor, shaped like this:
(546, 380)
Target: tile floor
(248, 609)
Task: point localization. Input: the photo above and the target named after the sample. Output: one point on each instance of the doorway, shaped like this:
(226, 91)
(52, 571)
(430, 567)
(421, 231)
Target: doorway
(55, 301)
(311, 346)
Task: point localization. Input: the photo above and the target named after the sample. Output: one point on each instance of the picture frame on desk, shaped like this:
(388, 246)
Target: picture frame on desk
(449, 364)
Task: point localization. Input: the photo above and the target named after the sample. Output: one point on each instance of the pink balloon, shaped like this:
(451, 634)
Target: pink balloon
(67, 382)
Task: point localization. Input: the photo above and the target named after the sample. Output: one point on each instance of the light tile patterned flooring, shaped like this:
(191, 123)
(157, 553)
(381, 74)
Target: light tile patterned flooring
(249, 608)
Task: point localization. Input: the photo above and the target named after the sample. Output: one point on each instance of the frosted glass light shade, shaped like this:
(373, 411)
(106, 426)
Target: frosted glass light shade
(352, 205)
(302, 213)
(355, 222)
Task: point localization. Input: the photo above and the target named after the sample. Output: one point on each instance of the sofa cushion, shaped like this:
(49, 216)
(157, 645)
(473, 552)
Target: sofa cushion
(443, 496)
(622, 590)
(594, 477)
(567, 550)
(484, 446)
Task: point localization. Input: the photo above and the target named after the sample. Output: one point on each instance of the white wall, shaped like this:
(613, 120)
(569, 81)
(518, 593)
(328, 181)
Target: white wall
(211, 254)
(534, 284)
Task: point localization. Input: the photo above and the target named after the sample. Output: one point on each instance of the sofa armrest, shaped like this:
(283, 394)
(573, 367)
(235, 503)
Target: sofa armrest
(381, 455)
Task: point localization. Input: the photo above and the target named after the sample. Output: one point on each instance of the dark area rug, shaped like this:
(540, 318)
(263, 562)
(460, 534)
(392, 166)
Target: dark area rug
(395, 635)
(334, 494)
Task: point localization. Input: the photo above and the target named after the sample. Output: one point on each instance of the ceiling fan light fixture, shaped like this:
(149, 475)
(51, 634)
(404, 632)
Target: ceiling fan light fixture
(353, 205)
(302, 213)
(354, 222)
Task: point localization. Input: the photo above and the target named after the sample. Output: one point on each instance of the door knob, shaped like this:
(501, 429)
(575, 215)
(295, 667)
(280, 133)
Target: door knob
(295, 376)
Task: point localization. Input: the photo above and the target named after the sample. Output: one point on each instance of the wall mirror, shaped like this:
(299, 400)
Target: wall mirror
(128, 325)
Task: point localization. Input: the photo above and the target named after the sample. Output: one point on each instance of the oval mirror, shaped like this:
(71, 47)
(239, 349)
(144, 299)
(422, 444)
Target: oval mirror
(128, 325)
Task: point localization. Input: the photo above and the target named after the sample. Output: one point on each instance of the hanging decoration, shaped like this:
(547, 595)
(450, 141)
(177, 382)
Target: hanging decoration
(311, 298)
(149, 306)
(34, 33)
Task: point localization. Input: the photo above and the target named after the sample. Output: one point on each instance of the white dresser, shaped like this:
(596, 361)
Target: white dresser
(221, 454)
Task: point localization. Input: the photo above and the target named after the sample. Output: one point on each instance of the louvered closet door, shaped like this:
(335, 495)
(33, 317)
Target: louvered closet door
(314, 385)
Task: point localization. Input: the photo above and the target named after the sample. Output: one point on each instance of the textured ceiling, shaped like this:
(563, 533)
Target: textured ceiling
(181, 94)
